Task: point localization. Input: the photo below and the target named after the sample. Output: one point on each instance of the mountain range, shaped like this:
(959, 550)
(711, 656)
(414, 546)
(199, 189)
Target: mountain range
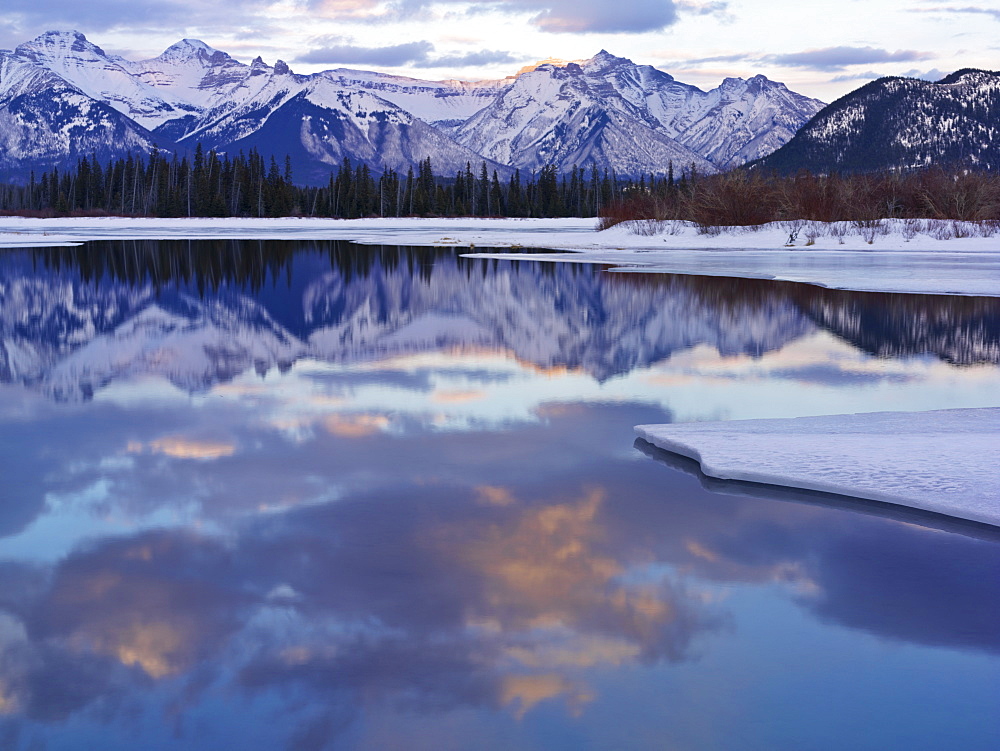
(901, 124)
(63, 97)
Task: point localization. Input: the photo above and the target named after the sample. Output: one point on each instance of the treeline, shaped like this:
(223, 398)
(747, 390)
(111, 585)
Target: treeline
(246, 185)
(750, 197)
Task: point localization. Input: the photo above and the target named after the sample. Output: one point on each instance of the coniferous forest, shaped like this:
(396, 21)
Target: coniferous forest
(247, 185)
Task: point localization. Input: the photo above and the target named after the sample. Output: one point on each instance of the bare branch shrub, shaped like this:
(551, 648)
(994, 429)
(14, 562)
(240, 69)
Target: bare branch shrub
(940, 230)
(748, 198)
(646, 227)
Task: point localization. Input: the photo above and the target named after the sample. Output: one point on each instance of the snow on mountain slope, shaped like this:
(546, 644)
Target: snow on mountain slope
(321, 123)
(742, 120)
(46, 121)
(441, 103)
(109, 79)
(556, 115)
(192, 71)
(612, 112)
(728, 125)
(902, 123)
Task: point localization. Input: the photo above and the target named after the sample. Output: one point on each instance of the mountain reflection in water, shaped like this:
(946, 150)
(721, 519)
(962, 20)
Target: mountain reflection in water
(270, 495)
(200, 312)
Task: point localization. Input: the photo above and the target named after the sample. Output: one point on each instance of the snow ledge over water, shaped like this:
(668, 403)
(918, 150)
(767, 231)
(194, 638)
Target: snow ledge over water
(945, 461)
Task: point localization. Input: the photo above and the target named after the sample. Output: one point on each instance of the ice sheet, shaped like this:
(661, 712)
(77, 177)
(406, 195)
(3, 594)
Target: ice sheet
(900, 258)
(946, 461)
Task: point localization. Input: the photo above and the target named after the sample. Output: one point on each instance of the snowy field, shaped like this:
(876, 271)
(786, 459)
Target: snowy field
(944, 461)
(902, 255)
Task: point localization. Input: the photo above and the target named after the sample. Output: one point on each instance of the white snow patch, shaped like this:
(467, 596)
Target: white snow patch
(944, 461)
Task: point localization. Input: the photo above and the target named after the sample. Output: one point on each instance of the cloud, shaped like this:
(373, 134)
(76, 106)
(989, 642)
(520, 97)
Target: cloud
(391, 55)
(102, 15)
(555, 16)
(345, 8)
(419, 54)
(702, 8)
(973, 9)
(525, 691)
(737, 58)
(484, 57)
(825, 59)
(599, 16)
(868, 75)
(180, 447)
(934, 74)
(837, 58)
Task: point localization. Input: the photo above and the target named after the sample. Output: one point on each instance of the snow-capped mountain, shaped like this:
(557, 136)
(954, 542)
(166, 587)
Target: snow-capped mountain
(46, 120)
(902, 123)
(62, 96)
(552, 115)
(318, 123)
(105, 78)
(608, 110)
(444, 104)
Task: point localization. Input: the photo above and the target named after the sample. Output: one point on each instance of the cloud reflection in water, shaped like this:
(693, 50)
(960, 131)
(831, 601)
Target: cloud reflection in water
(305, 543)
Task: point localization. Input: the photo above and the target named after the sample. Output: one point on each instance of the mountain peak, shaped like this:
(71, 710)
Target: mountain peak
(969, 75)
(186, 49)
(72, 34)
(553, 61)
(897, 123)
(58, 43)
(194, 44)
(604, 58)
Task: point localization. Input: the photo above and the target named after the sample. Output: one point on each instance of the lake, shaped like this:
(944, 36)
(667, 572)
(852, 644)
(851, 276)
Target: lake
(316, 495)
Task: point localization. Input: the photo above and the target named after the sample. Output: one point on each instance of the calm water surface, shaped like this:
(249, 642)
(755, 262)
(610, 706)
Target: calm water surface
(324, 496)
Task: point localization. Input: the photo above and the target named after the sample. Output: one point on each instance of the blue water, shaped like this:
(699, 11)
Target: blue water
(325, 496)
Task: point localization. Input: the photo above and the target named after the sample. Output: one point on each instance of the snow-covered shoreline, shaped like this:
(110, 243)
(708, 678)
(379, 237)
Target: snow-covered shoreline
(943, 461)
(899, 258)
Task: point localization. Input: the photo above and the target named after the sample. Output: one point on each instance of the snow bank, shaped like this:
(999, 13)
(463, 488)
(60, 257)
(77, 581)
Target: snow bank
(902, 256)
(946, 461)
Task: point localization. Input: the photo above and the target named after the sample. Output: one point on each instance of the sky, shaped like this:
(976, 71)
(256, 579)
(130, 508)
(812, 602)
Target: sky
(822, 48)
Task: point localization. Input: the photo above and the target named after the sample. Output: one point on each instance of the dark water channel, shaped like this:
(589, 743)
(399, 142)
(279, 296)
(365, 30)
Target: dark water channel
(264, 495)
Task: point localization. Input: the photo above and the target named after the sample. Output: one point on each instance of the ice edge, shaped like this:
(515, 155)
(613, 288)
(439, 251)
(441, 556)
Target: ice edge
(658, 435)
